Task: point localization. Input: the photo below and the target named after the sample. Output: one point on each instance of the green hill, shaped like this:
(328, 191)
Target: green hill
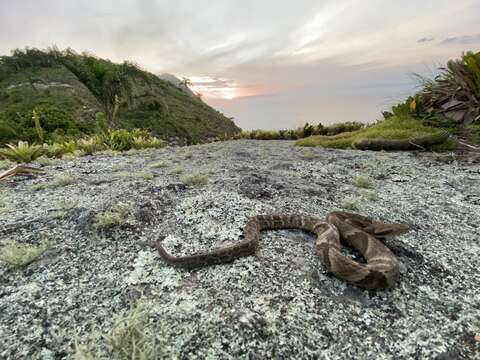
(32, 81)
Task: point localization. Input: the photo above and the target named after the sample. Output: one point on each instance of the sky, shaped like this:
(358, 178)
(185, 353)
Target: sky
(270, 64)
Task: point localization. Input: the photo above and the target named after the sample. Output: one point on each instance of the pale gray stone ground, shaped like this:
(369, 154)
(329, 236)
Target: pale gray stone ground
(277, 304)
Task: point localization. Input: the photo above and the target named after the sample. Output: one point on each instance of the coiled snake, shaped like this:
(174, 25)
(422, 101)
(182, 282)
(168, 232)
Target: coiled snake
(381, 269)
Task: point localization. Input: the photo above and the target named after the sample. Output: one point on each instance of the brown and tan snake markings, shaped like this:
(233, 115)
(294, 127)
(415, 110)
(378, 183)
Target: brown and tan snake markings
(381, 269)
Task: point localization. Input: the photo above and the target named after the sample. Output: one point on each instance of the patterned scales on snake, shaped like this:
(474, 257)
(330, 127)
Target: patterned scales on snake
(381, 269)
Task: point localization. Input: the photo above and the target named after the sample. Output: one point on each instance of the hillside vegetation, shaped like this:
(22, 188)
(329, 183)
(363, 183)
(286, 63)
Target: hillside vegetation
(36, 83)
(450, 102)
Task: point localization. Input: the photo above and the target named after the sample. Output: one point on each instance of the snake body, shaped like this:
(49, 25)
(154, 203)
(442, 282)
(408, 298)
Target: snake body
(381, 269)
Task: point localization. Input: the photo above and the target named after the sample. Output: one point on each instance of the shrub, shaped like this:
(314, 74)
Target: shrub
(22, 153)
(194, 179)
(90, 145)
(57, 150)
(18, 254)
(455, 91)
(142, 142)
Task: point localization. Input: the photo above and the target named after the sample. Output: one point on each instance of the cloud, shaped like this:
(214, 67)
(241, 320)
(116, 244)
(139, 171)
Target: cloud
(283, 59)
(425, 40)
(464, 40)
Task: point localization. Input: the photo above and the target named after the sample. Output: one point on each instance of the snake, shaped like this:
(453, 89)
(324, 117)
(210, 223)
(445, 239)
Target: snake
(380, 270)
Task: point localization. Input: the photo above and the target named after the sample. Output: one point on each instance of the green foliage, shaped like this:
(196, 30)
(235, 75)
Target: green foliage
(58, 150)
(455, 92)
(121, 140)
(32, 80)
(117, 216)
(111, 84)
(302, 132)
(22, 152)
(412, 107)
(90, 145)
(391, 128)
(338, 128)
(19, 255)
(21, 60)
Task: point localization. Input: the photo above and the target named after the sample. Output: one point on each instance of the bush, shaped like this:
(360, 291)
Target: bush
(22, 152)
(455, 92)
(57, 150)
(90, 145)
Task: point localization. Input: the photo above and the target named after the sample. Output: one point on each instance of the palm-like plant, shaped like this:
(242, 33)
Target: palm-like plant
(23, 152)
(111, 84)
(455, 92)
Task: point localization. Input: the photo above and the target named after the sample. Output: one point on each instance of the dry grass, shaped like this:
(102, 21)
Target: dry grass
(116, 217)
(194, 179)
(129, 339)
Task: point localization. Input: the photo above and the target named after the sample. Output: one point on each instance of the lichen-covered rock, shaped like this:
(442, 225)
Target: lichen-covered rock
(279, 303)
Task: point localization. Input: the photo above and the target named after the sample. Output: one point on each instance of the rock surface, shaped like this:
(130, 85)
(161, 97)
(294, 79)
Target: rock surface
(278, 304)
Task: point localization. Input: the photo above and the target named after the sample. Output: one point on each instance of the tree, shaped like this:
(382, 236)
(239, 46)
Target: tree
(111, 84)
(185, 82)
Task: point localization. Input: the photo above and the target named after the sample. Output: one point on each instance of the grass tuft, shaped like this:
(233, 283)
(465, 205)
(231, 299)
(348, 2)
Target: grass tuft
(351, 203)
(17, 254)
(63, 180)
(194, 179)
(116, 217)
(363, 181)
(178, 170)
(159, 164)
(129, 339)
